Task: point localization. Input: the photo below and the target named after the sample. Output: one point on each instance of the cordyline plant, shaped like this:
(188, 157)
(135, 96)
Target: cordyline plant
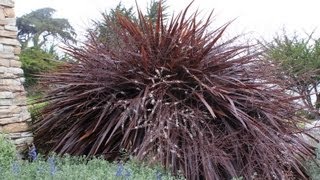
(174, 93)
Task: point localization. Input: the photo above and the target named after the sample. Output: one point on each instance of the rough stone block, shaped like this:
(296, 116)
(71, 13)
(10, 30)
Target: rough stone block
(2, 107)
(9, 41)
(14, 70)
(6, 75)
(5, 108)
(14, 63)
(25, 140)
(7, 115)
(6, 95)
(8, 21)
(20, 135)
(25, 115)
(8, 48)
(22, 80)
(9, 13)
(11, 34)
(10, 120)
(20, 100)
(4, 62)
(19, 94)
(21, 116)
(5, 55)
(8, 82)
(12, 88)
(2, 14)
(10, 28)
(3, 69)
(6, 102)
(7, 3)
(11, 110)
(16, 50)
(15, 127)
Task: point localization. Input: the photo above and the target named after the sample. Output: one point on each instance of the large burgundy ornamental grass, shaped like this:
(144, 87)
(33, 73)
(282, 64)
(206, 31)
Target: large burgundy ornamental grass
(175, 93)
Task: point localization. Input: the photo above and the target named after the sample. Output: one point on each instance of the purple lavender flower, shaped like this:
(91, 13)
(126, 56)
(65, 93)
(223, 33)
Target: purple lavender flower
(119, 170)
(15, 168)
(53, 168)
(159, 175)
(128, 174)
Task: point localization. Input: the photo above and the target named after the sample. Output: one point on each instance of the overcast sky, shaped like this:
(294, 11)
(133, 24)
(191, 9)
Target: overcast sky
(258, 18)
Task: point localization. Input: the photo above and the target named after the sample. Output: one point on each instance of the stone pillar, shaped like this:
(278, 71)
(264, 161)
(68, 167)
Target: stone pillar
(13, 108)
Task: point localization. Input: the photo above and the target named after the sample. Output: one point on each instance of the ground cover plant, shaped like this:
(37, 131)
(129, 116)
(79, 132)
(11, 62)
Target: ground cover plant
(72, 167)
(175, 93)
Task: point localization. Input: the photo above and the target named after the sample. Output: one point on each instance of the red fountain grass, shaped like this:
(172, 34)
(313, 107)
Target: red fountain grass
(175, 94)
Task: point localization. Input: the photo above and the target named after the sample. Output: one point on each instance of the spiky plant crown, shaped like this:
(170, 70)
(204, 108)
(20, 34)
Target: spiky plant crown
(175, 94)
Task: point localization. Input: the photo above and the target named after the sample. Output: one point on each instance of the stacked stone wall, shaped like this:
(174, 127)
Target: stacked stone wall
(14, 115)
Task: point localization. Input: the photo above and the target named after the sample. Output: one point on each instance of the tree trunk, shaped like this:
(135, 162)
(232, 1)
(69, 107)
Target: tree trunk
(317, 104)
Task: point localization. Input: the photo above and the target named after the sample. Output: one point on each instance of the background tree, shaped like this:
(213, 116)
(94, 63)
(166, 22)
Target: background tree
(34, 32)
(104, 29)
(39, 25)
(299, 60)
(152, 10)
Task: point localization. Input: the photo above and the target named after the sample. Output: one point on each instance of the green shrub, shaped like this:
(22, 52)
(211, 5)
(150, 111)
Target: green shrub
(35, 61)
(70, 168)
(313, 165)
(34, 107)
(7, 151)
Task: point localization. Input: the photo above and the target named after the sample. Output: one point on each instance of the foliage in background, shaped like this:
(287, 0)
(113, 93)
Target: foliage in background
(8, 152)
(104, 29)
(35, 107)
(37, 26)
(35, 61)
(299, 60)
(152, 10)
(176, 94)
(313, 165)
